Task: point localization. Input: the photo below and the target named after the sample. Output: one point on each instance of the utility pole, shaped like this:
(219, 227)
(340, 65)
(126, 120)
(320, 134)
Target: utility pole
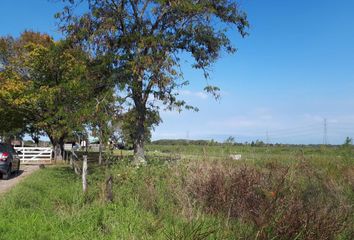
(267, 138)
(325, 137)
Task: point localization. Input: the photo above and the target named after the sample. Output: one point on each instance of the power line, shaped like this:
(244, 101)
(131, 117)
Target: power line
(315, 132)
(295, 129)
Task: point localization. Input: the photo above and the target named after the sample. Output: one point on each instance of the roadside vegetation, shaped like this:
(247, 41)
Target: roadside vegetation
(117, 66)
(305, 196)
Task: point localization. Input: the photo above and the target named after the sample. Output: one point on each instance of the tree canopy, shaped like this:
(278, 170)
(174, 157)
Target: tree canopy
(43, 84)
(144, 40)
(120, 59)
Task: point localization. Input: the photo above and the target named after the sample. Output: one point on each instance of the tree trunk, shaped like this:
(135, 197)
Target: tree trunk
(57, 152)
(140, 108)
(35, 138)
(58, 148)
(61, 145)
(36, 141)
(139, 153)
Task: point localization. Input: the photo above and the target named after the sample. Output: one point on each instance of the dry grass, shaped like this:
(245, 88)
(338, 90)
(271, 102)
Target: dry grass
(282, 202)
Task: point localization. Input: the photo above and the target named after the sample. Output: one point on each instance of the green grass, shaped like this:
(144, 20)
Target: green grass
(50, 205)
(176, 200)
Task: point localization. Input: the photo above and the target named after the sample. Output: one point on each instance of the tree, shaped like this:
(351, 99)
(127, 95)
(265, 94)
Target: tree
(348, 142)
(128, 125)
(102, 118)
(145, 40)
(101, 111)
(58, 76)
(44, 83)
(230, 140)
(34, 133)
(12, 121)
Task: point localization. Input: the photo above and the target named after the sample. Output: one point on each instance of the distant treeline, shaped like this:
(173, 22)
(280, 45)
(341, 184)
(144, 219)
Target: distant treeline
(212, 142)
(184, 142)
(204, 142)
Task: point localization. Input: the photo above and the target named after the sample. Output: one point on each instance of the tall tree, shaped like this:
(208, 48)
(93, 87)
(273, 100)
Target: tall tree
(44, 81)
(12, 84)
(57, 73)
(145, 39)
(101, 110)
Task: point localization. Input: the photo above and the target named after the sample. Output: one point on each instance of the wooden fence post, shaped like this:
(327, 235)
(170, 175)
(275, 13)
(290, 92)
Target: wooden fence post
(84, 174)
(109, 186)
(71, 159)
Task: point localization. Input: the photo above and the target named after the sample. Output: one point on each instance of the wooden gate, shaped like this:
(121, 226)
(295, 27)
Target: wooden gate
(35, 155)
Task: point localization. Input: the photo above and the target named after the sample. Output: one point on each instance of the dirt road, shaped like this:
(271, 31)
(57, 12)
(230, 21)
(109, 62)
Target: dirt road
(6, 185)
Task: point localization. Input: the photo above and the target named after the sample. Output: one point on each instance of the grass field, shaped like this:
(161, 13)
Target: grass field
(272, 193)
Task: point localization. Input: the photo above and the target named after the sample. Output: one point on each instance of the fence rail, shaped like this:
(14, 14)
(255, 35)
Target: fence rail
(33, 155)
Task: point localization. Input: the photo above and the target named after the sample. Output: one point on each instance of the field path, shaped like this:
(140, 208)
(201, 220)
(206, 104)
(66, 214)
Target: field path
(6, 185)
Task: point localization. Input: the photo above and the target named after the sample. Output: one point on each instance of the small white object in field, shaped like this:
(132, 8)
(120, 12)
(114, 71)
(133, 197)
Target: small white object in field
(236, 156)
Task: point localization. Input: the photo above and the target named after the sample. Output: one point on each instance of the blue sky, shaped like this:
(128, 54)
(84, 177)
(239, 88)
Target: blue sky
(295, 69)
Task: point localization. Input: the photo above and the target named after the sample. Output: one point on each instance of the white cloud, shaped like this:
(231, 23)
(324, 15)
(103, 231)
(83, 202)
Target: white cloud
(201, 95)
(197, 94)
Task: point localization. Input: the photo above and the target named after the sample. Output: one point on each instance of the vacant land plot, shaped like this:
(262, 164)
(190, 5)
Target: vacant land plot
(278, 193)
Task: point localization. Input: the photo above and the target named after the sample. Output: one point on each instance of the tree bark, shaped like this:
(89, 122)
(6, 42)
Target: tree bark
(35, 138)
(140, 107)
(139, 153)
(57, 152)
(58, 148)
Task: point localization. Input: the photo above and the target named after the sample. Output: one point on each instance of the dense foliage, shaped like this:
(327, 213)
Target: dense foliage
(43, 85)
(53, 88)
(145, 40)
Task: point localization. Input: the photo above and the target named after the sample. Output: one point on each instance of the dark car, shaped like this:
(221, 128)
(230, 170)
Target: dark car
(9, 160)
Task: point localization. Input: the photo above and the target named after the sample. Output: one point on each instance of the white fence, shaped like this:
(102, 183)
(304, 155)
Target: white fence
(30, 155)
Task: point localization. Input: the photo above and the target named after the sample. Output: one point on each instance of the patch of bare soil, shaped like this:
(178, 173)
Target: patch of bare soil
(6, 185)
